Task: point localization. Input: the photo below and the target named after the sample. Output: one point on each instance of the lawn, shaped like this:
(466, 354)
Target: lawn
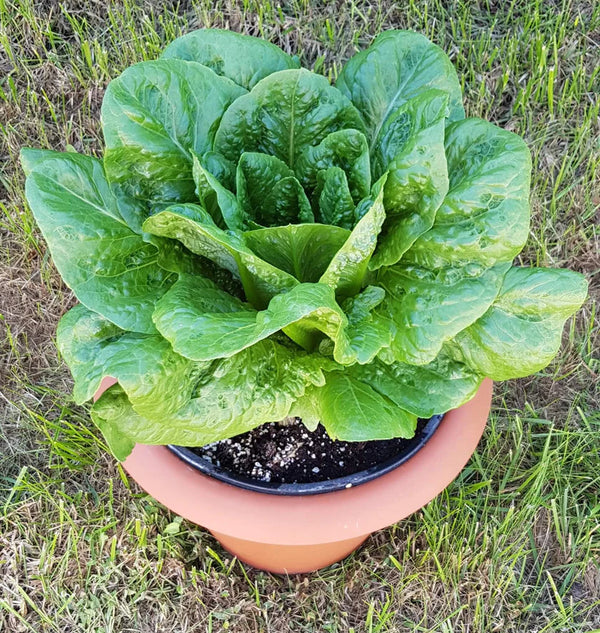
(513, 545)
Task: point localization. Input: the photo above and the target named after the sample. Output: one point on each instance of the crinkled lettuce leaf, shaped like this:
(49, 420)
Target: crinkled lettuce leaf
(243, 59)
(345, 149)
(521, 332)
(424, 390)
(284, 114)
(333, 200)
(220, 202)
(154, 116)
(230, 396)
(269, 192)
(411, 152)
(203, 322)
(428, 308)
(193, 226)
(347, 270)
(484, 218)
(397, 66)
(110, 267)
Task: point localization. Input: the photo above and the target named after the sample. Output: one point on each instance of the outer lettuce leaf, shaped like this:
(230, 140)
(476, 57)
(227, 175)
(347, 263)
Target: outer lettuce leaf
(521, 332)
(222, 205)
(484, 219)
(352, 411)
(193, 226)
(429, 308)
(302, 250)
(347, 270)
(154, 116)
(231, 396)
(203, 402)
(157, 381)
(398, 66)
(282, 115)
(411, 147)
(199, 331)
(112, 414)
(81, 336)
(346, 149)
(110, 268)
(269, 192)
(333, 198)
(424, 390)
(243, 59)
(203, 323)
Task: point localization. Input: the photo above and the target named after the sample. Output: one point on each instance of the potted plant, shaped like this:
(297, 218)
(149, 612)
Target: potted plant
(259, 246)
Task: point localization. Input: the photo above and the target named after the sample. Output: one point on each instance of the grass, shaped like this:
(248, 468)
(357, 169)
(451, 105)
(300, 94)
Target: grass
(513, 545)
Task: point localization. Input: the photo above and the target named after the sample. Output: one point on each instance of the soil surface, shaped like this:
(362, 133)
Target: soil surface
(290, 453)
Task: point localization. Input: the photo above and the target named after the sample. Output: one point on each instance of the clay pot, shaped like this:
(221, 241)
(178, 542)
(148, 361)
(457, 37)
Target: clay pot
(286, 534)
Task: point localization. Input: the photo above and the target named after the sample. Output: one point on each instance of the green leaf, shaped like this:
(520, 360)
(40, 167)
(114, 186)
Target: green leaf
(111, 414)
(203, 322)
(81, 336)
(286, 203)
(302, 250)
(157, 381)
(231, 396)
(398, 66)
(353, 411)
(221, 168)
(154, 116)
(411, 147)
(345, 149)
(424, 390)
(521, 332)
(484, 218)
(193, 226)
(175, 257)
(367, 333)
(347, 270)
(307, 408)
(222, 205)
(335, 202)
(269, 192)
(282, 115)
(110, 268)
(243, 59)
(429, 308)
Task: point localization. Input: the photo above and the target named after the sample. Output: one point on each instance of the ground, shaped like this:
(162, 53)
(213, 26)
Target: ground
(513, 545)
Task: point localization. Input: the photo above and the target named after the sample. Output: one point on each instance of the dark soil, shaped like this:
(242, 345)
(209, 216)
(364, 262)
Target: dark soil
(290, 453)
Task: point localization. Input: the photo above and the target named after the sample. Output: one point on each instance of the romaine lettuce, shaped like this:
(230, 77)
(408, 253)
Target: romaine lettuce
(258, 243)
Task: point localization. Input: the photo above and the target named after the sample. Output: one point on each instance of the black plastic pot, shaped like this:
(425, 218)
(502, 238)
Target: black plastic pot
(319, 487)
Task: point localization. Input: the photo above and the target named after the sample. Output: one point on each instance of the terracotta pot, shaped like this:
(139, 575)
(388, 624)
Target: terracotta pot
(301, 534)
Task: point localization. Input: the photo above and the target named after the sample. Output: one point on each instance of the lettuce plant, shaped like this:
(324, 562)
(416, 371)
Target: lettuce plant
(256, 243)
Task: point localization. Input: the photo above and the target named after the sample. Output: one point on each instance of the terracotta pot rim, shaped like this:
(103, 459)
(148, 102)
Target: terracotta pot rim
(315, 519)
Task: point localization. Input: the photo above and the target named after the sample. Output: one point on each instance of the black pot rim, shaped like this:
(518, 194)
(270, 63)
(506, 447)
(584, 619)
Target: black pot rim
(314, 488)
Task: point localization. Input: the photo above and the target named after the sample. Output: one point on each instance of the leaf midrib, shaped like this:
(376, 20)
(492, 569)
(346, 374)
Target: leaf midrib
(390, 106)
(292, 124)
